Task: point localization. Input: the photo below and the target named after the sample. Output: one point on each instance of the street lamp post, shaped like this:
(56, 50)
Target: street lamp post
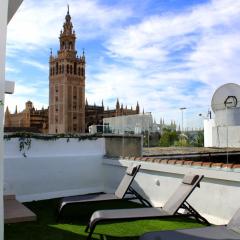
(182, 109)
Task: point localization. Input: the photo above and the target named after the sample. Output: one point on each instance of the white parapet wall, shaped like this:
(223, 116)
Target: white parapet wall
(217, 199)
(208, 129)
(226, 136)
(53, 168)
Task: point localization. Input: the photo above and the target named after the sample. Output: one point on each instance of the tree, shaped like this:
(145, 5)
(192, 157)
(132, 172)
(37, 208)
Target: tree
(168, 138)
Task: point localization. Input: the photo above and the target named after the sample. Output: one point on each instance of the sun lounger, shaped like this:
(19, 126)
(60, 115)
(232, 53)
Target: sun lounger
(229, 232)
(171, 208)
(124, 191)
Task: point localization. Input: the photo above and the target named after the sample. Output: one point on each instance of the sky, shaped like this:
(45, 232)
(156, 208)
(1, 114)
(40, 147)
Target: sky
(165, 54)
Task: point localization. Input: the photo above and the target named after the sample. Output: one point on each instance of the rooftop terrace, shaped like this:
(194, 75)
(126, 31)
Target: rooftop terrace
(50, 170)
(72, 228)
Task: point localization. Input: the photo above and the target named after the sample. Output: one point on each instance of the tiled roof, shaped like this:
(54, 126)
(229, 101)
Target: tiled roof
(186, 162)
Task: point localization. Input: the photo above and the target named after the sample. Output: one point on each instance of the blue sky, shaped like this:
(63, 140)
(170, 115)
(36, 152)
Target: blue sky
(166, 54)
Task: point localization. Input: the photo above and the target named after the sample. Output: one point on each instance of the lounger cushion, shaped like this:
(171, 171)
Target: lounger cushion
(131, 170)
(190, 179)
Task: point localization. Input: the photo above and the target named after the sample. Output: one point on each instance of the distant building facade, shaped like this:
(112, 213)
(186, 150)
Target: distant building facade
(68, 112)
(96, 114)
(30, 119)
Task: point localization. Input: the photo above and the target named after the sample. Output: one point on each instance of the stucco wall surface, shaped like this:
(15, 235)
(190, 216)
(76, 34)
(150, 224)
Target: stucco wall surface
(53, 168)
(217, 198)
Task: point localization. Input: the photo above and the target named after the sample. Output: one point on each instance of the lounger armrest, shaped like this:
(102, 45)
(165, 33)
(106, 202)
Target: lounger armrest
(190, 179)
(131, 170)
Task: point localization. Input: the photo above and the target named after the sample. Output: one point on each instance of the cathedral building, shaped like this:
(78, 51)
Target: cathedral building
(68, 111)
(30, 120)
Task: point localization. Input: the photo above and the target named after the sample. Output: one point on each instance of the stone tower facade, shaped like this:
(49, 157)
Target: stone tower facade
(67, 85)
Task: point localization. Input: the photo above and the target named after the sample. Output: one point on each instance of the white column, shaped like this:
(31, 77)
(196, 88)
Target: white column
(3, 31)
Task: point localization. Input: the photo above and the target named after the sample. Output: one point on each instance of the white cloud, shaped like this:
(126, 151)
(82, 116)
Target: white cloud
(180, 59)
(38, 65)
(11, 69)
(166, 61)
(24, 93)
(12, 100)
(37, 23)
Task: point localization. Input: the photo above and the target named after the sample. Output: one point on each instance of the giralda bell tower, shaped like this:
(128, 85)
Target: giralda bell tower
(67, 85)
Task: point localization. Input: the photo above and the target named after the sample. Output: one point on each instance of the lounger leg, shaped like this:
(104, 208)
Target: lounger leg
(194, 213)
(139, 197)
(87, 227)
(91, 232)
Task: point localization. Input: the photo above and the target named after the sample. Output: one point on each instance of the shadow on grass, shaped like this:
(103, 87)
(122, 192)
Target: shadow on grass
(72, 228)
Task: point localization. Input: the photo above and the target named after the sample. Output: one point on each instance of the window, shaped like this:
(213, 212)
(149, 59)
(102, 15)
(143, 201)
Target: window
(67, 68)
(70, 69)
(56, 98)
(75, 68)
(56, 68)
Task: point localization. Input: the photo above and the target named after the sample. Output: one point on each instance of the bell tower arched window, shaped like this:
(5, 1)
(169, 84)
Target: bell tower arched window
(75, 68)
(56, 68)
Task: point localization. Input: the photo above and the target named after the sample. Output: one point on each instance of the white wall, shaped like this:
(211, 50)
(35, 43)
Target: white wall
(217, 198)
(57, 168)
(226, 136)
(53, 168)
(208, 135)
(221, 135)
(3, 32)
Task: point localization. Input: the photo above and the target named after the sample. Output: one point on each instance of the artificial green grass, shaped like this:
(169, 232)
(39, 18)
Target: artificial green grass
(72, 228)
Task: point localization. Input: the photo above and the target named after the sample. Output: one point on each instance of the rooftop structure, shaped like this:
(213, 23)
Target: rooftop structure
(224, 129)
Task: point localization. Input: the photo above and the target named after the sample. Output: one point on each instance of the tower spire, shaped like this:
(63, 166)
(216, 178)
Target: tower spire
(137, 108)
(68, 17)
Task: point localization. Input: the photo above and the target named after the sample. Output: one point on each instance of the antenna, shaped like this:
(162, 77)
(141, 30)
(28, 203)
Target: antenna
(226, 96)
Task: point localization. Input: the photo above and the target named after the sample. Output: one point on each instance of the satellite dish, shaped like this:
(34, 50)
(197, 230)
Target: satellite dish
(226, 96)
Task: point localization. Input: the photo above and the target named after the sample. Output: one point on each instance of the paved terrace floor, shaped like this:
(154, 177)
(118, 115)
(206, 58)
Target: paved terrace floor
(73, 225)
